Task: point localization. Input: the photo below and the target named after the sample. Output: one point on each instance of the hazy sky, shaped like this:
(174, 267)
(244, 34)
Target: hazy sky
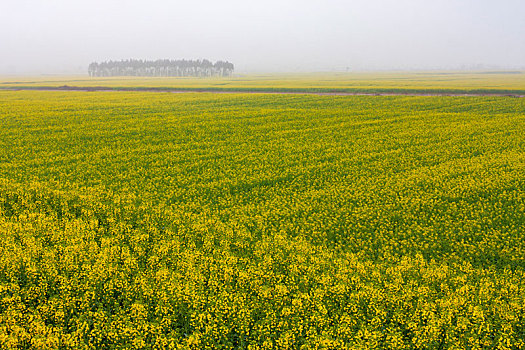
(64, 36)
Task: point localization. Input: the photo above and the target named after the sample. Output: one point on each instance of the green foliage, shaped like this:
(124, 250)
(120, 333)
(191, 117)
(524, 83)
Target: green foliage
(143, 220)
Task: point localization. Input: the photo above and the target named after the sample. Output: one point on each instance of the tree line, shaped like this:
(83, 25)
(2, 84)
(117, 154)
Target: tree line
(161, 68)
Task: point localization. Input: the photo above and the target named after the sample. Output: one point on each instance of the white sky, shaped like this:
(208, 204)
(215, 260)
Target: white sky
(64, 36)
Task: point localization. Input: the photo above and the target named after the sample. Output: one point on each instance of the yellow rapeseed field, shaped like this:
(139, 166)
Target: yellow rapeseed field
(482, 81)
(148, 220)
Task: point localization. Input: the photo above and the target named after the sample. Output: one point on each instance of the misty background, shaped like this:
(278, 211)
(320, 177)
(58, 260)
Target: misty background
(64, 36)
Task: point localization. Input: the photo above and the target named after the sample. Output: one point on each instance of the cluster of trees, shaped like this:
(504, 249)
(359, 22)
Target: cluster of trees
(161, 68)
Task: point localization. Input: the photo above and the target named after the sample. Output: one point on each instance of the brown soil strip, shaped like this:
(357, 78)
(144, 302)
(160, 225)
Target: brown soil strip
(175, 91)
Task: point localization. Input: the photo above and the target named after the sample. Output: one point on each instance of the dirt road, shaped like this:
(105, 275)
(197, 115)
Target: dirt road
(287, 92)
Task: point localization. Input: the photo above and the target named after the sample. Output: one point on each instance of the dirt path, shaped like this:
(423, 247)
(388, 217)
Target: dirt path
(328, 93)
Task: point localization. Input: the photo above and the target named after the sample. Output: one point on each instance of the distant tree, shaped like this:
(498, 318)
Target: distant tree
(164, 68)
